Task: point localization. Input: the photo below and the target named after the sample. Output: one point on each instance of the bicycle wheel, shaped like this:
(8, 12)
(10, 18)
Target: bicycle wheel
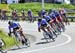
(62, 26)
(50, 36)
(25, 41)
(45, 36)
(3, 45)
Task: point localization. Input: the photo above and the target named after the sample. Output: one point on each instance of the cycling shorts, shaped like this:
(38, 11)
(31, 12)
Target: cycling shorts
(16, 28)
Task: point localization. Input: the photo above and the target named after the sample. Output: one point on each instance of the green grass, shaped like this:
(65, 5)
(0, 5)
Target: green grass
(38, 6)
(8, 40)
(35, 6)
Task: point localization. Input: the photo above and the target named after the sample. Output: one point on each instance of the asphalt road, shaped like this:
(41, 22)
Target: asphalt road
(65, 43)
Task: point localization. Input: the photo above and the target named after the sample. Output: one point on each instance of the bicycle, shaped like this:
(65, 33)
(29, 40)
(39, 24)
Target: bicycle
(21, 38)
(48, 36)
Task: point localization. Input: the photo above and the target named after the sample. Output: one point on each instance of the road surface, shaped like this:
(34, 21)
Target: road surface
(65, 43)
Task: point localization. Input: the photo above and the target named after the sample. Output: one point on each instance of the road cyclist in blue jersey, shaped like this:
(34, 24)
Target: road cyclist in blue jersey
(49, 21)
(16, 29)
(44, 26)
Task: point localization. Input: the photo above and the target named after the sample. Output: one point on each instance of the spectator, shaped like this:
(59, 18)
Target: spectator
(39, 14)
(3, 15)
(0, 13)
(23, 15)
(14, 15)
(30, 16)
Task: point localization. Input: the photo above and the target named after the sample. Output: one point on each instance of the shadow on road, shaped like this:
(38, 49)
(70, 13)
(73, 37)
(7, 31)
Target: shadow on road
(43, 42)
(17, 48)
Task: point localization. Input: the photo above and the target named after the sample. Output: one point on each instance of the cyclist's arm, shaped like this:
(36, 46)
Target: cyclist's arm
(9, 29)
(39, 29)
(20, 28)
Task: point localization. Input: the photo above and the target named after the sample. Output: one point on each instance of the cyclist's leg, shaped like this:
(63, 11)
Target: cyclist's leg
(50, 33)
(53, 27)
(17, 35)
(24, 39)
(61, 23)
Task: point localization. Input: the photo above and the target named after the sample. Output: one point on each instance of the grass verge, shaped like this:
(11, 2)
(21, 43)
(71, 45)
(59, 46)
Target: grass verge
(10, 42)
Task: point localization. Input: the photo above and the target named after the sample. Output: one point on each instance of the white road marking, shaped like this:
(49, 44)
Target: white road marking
(66, 42)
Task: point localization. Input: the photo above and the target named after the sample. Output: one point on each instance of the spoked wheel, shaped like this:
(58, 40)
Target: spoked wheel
(63, 27)
(48, 37)
(45, 37)
(2, 45)
(25, 42)
(56, 30)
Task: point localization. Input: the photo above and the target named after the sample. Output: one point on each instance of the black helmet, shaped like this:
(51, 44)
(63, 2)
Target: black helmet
(10, 22)
(39, 20)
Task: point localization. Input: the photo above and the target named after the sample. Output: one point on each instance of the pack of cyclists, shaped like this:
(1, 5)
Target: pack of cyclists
(52, 24)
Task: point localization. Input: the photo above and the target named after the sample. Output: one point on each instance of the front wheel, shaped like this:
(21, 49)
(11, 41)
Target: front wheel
(25, 41)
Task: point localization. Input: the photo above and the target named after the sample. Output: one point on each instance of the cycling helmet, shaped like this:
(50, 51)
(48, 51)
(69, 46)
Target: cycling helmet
(10, 22)
(39, 20)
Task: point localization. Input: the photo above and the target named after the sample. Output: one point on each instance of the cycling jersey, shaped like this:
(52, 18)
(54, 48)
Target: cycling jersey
(56, 14)
(42, 23)
(52, 15)
(14, 26)
(47, 18)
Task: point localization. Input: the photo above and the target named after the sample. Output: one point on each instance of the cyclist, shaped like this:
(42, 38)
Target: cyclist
(60, 20)
(53, 17)
(43, 13)
(49, 20)
(16, 28)
(57, 15)
(55, 23)
(62, 12)
(43, 25)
